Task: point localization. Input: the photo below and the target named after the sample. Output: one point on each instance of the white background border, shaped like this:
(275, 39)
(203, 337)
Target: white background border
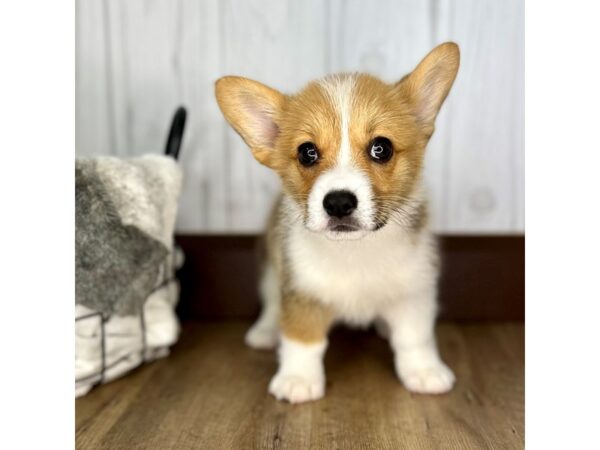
(37, 85)
(562, 223)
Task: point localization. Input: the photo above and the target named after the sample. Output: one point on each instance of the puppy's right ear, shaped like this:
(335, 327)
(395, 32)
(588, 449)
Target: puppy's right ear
(253, 110)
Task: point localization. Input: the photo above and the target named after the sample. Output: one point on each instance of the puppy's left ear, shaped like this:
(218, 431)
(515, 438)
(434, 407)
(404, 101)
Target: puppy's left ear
(427, 86)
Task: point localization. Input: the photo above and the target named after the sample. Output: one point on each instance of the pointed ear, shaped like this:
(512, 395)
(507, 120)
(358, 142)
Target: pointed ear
(427, 86)
(252, 109)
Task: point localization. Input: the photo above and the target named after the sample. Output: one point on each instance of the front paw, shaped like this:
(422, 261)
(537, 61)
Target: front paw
(297, 388)
(435, 379)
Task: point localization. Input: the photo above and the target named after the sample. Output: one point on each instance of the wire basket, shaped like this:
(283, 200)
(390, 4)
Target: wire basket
(109, 346)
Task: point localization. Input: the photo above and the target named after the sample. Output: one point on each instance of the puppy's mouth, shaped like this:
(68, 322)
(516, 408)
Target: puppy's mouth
(344, 229)
(343, 225)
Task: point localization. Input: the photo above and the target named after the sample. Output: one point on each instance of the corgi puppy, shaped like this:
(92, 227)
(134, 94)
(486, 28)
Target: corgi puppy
(348, 240)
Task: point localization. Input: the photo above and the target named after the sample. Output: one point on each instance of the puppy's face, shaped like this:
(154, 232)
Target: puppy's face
(348, 148)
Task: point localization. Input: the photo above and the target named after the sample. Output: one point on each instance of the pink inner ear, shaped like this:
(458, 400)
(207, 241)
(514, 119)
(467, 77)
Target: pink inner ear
(433, 91)
(264, 128)
(426, 105)
(268, 129)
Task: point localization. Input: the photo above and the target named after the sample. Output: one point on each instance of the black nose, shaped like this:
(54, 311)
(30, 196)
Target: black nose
(340, 203)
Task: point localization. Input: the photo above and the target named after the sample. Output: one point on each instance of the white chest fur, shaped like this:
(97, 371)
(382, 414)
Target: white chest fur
(359, 278)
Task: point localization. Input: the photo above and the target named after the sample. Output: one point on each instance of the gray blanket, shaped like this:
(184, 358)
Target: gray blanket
(125, 216)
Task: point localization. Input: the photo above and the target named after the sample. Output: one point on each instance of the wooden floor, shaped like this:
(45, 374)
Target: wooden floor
(212, 393)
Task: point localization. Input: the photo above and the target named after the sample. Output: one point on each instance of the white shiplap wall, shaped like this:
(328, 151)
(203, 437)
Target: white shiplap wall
(139, 59)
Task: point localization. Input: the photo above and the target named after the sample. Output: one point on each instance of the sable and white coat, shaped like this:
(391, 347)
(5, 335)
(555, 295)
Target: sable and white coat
(376, 260)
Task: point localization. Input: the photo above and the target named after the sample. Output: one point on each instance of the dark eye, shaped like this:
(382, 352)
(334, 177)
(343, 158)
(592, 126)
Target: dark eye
(381, 150)
(308, 154)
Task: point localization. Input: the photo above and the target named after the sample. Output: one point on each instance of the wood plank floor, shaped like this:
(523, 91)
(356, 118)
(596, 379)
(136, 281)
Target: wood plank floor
(212, 393)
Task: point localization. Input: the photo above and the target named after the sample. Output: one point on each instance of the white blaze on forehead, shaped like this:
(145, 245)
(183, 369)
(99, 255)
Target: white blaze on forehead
(339, 90)
(345, 174)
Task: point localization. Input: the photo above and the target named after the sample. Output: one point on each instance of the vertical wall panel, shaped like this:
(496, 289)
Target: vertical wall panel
(142, 41)
(198, 57)
(483, 123)
(518, 116)
(92, 120)
(385, 38)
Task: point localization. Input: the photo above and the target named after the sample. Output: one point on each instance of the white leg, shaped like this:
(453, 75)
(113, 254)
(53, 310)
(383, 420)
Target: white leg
(301, 375)
(417, 361)
(264, 334)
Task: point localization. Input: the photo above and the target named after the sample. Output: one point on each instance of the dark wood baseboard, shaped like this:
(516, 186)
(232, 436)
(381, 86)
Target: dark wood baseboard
(483, 277)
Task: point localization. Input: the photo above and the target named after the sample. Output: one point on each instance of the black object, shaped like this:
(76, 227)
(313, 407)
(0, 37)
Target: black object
(340, 203)
(176, 133)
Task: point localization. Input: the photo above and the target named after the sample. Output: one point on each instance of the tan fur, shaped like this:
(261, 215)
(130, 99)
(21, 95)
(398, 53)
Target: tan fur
(273, 238)
(304, 319)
